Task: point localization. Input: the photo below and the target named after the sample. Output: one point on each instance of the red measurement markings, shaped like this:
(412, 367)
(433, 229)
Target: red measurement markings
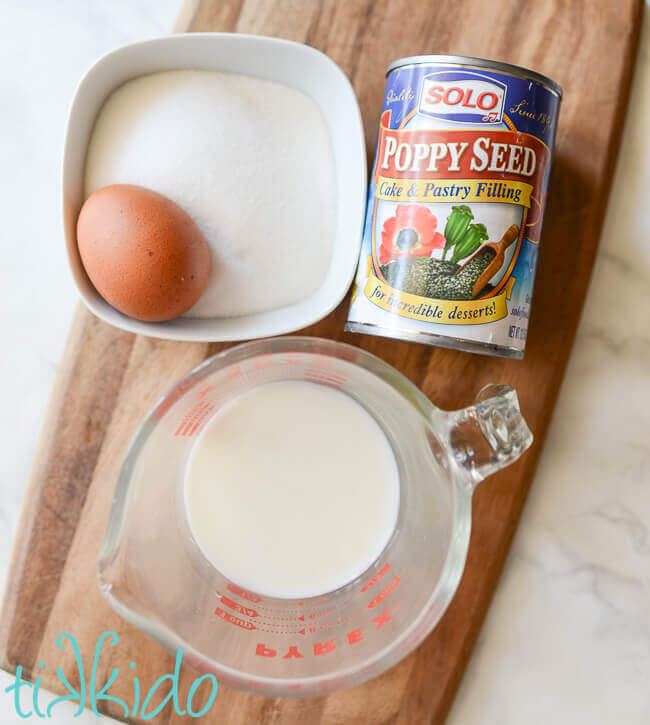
(315, 627)
(278, 629)
(383, 594)
(327, 625)
(253, 613)
(293, 653)
(316, 603)
(262, 626)
(356, 635)
(171, 399)
(319, 649)
(246, 611)
(292, 357)
(339, 622)
(381, 573)
(348, 353)
(206, 390)
(320, 362)
(234, 373)
(193, 421)
(237, 621)
(382, 619)
(295, 357)
(267, 614)
(321, 613)
(328, 375)
(279, 618)
(249, 596)
(316, 376)
(377, 600)
(285, 614)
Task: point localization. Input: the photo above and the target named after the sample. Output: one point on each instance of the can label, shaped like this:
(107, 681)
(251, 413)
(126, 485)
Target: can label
(455, 206)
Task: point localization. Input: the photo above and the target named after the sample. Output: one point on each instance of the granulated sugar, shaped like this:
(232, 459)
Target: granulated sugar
(249, 160)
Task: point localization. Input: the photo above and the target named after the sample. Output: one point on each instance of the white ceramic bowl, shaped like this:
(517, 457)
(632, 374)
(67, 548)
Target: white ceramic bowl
(292, 64)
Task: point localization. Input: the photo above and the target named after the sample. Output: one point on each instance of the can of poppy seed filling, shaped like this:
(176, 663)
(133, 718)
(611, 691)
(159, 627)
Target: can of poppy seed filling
(455, 204)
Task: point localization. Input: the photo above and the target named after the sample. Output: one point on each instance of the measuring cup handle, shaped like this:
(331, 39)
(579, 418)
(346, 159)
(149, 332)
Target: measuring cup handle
(490, 434)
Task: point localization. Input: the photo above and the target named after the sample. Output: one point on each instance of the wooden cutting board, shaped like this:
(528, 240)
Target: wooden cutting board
(108, 379)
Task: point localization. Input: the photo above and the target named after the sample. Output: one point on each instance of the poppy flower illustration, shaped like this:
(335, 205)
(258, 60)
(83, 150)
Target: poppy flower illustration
(411, 232)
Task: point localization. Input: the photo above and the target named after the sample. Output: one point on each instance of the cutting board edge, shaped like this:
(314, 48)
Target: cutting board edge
(63, 377)
(35, 481)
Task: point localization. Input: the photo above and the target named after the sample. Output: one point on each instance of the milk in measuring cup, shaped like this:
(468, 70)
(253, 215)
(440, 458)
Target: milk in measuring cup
(292, 490)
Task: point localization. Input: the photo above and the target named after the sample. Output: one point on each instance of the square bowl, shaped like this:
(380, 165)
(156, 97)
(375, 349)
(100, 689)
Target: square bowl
(292, 64)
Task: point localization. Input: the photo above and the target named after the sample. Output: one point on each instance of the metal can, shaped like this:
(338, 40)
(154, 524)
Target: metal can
(456, 203)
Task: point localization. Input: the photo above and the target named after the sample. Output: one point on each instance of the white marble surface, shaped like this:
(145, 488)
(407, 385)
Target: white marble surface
(567, 638)
(45, 47)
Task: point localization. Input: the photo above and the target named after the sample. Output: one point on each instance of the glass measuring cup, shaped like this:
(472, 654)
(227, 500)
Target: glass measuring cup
(153, 573)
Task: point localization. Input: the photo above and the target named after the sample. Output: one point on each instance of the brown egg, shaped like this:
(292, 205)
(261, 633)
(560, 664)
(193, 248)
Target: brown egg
(143, 253)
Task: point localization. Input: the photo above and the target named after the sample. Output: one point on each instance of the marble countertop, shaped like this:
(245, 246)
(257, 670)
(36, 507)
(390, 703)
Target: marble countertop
(567, 637)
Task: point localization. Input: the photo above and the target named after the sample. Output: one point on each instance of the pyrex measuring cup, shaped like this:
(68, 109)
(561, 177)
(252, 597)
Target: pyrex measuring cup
(153, 573)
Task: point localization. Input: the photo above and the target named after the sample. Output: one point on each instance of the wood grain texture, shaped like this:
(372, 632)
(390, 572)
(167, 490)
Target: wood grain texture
(109, 379)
